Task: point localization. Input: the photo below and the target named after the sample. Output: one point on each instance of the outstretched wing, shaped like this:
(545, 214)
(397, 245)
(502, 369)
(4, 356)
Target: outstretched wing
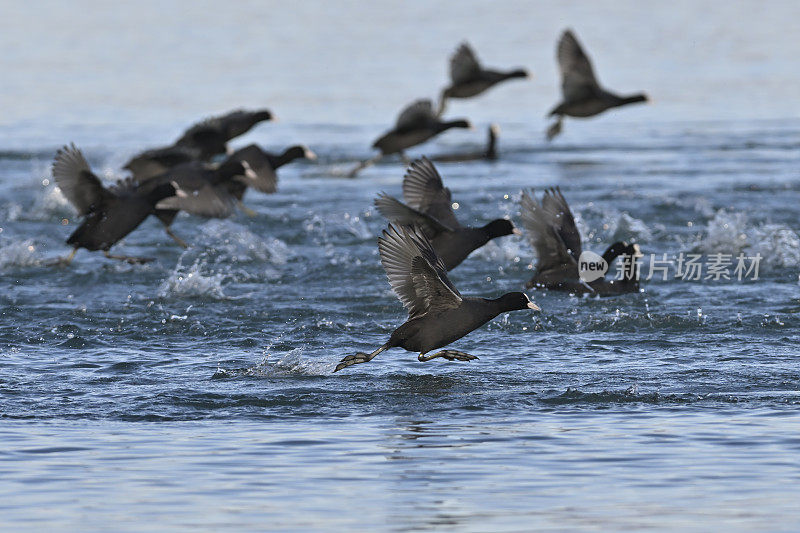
(207, 139)
(232, 124)
(266, 179)
(464, 65)
(212, 133)
(577, 77)
(399, 213)
(418, 114)
(424, 191)
(415, 273)
(150, 163)
(542, 231)
(205, 201)
(556, 206)
(240, 121)
(76, 180)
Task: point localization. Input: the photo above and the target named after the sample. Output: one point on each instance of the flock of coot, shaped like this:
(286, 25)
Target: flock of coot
(198, 174)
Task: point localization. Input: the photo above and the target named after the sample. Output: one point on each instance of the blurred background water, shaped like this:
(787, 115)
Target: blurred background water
(196, 392)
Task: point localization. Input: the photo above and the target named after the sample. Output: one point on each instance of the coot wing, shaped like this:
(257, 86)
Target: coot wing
(556, 206)
(225, 127)
(577, 76)
(205, 137)
(415, 273)
(397, 212)
(206, 201)
(76, 180)
(417, 115)
(424, 191)
(166, 157)
(240, 121)
(464, 65)
(542, 232)
(266, 179)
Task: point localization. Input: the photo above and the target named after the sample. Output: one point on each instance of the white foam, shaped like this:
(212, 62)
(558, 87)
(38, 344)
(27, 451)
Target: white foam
(731, 233)
(725, 233)
(292, 364)
(222, 244)
(12, 212)
(598, 226)
(48, 204)
(624, 227)
(777, 244)
(232, 242)
(340, 223)
(504, 250)
(192, 282)
(289, 364)
(18, 254)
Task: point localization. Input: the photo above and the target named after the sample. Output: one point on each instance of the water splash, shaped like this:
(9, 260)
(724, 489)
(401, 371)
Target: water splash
(18, 254)
(731, 233)
(327, 229)
(331, 231)
(624, 227)
(49, 204)
(504, 251)
(614, 397)
(193, 282)
(777, 244)
(211, 261)
(725, 233)
(604, 226)
(227, 241)
(289, 364)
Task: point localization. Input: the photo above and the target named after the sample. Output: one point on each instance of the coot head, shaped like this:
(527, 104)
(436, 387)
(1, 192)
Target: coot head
(297, 152)
(632, 99)
(517, 301)
(460, 123)
(500, 228)
(232, 167)
(165, 190)
(262, 115)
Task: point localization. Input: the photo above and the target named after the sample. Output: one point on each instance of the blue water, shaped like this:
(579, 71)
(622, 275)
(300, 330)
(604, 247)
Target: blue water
(196, 393)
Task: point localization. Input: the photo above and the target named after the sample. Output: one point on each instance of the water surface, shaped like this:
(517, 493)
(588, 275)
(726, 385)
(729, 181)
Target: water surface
(196, 392)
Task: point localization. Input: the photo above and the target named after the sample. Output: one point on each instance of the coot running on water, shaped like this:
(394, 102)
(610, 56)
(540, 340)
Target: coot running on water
(110, 213)
(552, 232)
(437, 313)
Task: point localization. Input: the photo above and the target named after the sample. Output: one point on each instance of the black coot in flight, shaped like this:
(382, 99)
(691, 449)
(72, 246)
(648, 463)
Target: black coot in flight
(582, 94)
(437, 313)
(416, 124)
(429, 206)
(202, 141)
(468, 78)
(110, 213)
(552, 232)
(212, 134)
